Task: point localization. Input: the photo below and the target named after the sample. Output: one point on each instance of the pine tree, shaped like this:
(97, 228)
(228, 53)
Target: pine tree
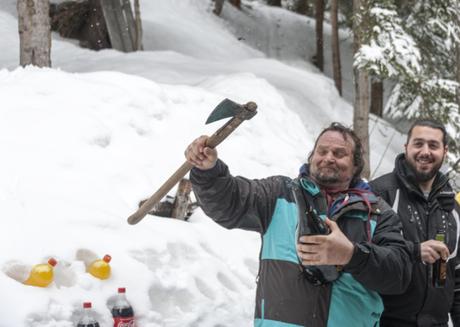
(435, 27)
(416, 48)
(390, 52)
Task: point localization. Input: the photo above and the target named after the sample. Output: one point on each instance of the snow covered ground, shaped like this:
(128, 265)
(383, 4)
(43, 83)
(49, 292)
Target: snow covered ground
(85, 141)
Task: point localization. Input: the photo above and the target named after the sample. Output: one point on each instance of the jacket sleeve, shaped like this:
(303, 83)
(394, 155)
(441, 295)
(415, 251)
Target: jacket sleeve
(455, 309)
(385, 263)
(236, 202)
(382, 187)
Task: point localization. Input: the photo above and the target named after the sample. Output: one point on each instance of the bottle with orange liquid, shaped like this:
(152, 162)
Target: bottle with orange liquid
(41, 275)
(100, 268)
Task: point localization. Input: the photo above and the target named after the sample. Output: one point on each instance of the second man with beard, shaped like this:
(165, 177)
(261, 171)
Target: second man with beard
(425, 202)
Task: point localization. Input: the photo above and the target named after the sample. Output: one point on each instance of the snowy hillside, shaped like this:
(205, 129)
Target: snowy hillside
(85, 141)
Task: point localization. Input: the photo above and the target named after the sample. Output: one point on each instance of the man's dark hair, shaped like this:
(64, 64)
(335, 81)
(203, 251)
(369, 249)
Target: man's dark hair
(358, 160)
(429, 123)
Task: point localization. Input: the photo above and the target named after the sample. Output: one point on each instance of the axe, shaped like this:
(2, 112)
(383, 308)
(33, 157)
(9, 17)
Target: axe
(225, 109)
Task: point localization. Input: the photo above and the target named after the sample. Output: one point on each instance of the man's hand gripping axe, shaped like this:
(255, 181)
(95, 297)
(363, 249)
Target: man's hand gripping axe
(225, 109)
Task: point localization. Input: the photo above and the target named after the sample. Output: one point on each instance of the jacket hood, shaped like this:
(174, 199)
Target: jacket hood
(440, 189)
(405, 174)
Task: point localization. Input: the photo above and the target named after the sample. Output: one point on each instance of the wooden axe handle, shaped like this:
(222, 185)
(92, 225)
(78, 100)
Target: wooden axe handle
(212, 142)
(158, 195)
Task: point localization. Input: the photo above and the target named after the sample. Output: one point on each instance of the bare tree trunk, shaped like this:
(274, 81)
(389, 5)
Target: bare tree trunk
(236, 3)
(137, 12)
(336, 67)
(361, 105)
(218, 5)
(276, 3)
(361, 115)
(34, 33)
(319, 59)
(182, 201)
(301, 7)
(376, 97)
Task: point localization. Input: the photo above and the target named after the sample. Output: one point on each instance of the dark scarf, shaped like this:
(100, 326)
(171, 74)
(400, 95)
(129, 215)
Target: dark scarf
(336, 199)
(358, 187)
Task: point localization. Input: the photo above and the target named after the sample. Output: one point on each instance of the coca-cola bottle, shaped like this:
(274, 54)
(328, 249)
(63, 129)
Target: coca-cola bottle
(122, 311)
(87, 319)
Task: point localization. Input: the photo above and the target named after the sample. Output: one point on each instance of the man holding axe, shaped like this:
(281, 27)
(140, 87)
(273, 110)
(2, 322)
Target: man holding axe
(332, 279)
(225, 109)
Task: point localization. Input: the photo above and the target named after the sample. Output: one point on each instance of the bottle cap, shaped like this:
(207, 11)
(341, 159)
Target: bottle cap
(121, 290)
(52, 262)
(107, 258)
(86, 305)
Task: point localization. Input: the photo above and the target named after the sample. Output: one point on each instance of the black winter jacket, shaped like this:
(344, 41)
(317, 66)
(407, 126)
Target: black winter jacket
(422, 304)
(284, 297)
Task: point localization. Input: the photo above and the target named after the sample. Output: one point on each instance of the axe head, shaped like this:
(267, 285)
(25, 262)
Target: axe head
(227, 108)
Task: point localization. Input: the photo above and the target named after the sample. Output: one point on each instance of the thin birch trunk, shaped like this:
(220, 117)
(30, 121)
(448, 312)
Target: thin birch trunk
(361, 103)
(34, 33)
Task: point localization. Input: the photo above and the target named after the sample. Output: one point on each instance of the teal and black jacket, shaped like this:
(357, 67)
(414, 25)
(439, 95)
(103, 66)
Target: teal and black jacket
(284, 297)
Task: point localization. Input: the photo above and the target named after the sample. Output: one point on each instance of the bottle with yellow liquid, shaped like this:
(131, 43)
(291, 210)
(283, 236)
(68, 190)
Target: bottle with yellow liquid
(97, 267)
(41, 275)
(100, 268)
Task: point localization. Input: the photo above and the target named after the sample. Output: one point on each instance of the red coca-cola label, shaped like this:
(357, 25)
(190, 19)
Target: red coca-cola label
(123, 322)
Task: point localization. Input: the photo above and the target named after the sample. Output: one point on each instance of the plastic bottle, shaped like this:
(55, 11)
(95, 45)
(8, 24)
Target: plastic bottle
(87, 319)
(100, 268)
(42, 274)
(122, 311)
